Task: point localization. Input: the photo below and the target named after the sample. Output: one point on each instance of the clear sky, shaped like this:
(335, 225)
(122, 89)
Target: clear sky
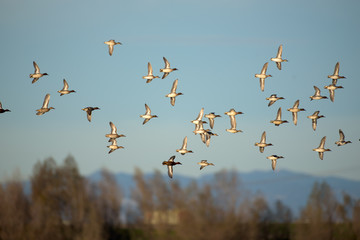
(218, 46)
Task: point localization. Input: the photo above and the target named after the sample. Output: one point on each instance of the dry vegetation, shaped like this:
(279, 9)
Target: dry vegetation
(65, 205)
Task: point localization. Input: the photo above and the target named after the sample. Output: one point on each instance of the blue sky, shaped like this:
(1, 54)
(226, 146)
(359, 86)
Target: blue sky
(217, 47)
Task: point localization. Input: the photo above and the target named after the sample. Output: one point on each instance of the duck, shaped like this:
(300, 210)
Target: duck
(36, 75)
(278, 60)
(114, 145)
(278, 120)
(2, 110)
(273, 159)
(65, 89)
(199, 117)
(204, 163)
(88, 111)
(263, 76)
(208, 134)
(150, 75)
(170, 163)
(232, 112)
(233, 125)
(321, 148)
(332, 87)
(147, 116)
(317, 95)
(113, 135)
(314, 117)
(273, 98)
(211, 116)
(342, 141)
(294, 110)
(44, 109)
(336, 76)
(111, 43)
(172, 95)
(183, 149)
(262, 144)
(199, 128)
(167, 69)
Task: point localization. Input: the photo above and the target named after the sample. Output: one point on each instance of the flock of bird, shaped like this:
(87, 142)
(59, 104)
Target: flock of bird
(206, 134)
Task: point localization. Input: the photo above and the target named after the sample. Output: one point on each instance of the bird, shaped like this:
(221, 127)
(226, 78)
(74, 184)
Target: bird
(262, 76)
(113, 135)
(167, 69)
(65, 89)
(111, 43)
(278, 60)
(232, 112)
(262, 144)
(36, 75)
(332, 87)
(336, 76)
(183, 149)
(278, 120)
(150, 75)
(147, 116)
(199, 128)
(342, 141)
(199, 117)
(314, 117)
(2, 110)
(173, 93)
(233, 125)
(294, 110)
(114, 145)
(204, 163)
(88, 111)
(317, 95)
(273, 159)
(170, 163)
(273, 98)
(211, 116)
(321, 148)
(208, 134)
(44, 108)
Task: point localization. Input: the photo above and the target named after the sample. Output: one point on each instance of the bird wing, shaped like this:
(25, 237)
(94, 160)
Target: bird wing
(147, 110)
(170, 171)
(165, 75)
(273, 164)
(211, 122)
(342, 136)
(88, 114)
(332, 95)
(201, 114)
(172, 101)
(263, 137)
(46, 101)
(278, 64)
(278, 115)
(184, 143)
(263, 70)
(321, 155)
(279, 52)
(111, 49)
(37, 69)
(296, 104)
(317, 90)
(322, 143)
(337, 68)
(167, 64)
(150, 69)
(262, 84)
(294, 114)
(314, 123)
(66, 85)
(174, 86)
(233, 122)
(113, 128)
(146, 120)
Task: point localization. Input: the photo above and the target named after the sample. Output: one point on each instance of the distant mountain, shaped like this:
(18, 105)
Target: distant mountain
(291, 188)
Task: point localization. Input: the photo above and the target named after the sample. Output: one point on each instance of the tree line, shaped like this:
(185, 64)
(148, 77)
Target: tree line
(63, 205)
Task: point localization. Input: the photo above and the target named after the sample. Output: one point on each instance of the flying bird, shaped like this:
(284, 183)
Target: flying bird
(113, 135)
(321, 148)
(199, 117)
(314, 117)
(262, 76)
(332, 87)
(273, 98)
(273, 159)
(336, 76)
(2, 110)
(172, 95)
(278, 60)
(317, 95)
(278, 120)
(294, 110)
(44, 108)
(36, 75)
(65, 89)
(211, 116)
(342, 141)
(262, 144)
(147, 116)
(170, 163)
(88, 111)
(183, 149)
(204, 163)
(150, 75)
(114, 145)
(111, 43)
(167, 69)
